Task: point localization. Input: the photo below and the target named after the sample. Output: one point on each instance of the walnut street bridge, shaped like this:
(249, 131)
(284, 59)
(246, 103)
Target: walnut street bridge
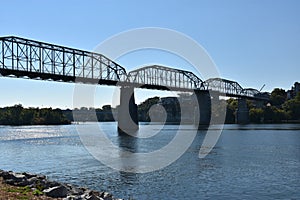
(26, 58)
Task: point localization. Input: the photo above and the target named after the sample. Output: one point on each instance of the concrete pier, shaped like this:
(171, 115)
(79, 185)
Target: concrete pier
(127, 112)
(242, 113)
(202, 109)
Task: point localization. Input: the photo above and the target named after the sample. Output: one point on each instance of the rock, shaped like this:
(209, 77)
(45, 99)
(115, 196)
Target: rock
(75, 190)
(106, 196)
(18, 176)
(6, 175)
(93, 197)
(45, 184)
(40, 177)
(52, 188)
(1, 172)
(9, 181)
(56, 192)
(28, 176)
(32, 181)
(16, 179)
(73, 197)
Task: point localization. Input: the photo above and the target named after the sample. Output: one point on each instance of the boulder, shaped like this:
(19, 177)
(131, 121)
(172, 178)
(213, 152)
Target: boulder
(28, 175)
(75, 190)
(56, 192)
(106, 196)
(93, 197)
(52, 188)
(15, 179)
(73, 197)
(6, 175)
(47, 184)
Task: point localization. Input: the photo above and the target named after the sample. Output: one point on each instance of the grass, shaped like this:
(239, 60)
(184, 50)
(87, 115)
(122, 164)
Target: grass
(21, 193)
(23, 190)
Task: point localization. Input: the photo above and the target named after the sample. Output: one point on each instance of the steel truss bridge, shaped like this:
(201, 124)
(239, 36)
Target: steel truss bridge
(26, 58)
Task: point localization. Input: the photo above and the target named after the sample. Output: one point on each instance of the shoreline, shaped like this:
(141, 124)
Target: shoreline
(23, 185)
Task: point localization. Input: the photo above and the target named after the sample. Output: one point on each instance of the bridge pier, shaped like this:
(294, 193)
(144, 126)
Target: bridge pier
(127, 112)
(202, 115)
(242, 113)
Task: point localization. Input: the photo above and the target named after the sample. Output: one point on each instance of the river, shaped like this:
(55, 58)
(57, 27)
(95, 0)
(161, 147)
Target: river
(248, 162)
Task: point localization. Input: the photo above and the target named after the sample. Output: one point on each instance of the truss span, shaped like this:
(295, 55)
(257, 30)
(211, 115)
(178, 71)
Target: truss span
(28, 58)
(234, 89)
(161, 77)
(21, 57)
(224, 86)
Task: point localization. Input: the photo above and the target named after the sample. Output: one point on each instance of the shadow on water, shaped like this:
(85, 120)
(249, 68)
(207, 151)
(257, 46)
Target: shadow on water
(127, 142)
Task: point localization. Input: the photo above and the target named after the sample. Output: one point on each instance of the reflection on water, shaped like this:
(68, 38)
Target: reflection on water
(127, 143)
(253, 161)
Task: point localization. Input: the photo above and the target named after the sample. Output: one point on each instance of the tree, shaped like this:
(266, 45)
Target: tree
(278, 97)
(232, 105)
(256, 115)
(144, 107)
(17, 115)
(272, 114)
(107, 113)
(292, 108)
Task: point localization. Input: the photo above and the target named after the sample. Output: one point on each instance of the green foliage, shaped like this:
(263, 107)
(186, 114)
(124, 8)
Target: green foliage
(232, 105)
(23, 190)
(17, 115)
(106, 108)
(278, 97)
(280, 109)
(144, 107)
(37, 192)
(292, 108)
(272, 114)
(256, 115)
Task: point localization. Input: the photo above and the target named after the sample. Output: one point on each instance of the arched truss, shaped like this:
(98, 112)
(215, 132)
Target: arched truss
(28, 58)
(224, 86)
(232, 88)
(157, 75)
(250, 92)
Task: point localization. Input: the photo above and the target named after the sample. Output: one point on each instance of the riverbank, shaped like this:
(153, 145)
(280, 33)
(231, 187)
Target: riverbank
(37, 187)
(17, 115)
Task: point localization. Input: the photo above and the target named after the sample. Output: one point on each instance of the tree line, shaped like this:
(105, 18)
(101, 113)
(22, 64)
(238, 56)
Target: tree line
(17, 115)
(279, 109)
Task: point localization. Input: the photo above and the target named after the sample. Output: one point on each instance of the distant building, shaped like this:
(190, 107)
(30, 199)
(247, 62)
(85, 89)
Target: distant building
(292, 93)
(297, 88)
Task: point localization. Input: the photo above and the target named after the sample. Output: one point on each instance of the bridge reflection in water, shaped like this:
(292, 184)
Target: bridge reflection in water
(24, 58)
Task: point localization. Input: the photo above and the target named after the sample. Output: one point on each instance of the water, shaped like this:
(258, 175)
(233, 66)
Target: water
(253, 161)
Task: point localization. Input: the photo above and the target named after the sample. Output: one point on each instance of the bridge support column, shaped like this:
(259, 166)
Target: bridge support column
(202, 109)
(127, 112)
(242, 113)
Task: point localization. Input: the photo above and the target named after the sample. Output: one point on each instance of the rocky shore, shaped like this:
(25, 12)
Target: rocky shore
(39, 185)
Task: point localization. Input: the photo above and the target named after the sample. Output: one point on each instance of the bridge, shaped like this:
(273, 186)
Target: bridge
(25, 58)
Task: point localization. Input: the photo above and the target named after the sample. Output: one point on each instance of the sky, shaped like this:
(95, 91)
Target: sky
(253, 42)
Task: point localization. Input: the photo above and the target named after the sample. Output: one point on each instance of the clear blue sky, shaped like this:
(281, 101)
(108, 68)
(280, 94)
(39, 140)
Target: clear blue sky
(254, 42)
